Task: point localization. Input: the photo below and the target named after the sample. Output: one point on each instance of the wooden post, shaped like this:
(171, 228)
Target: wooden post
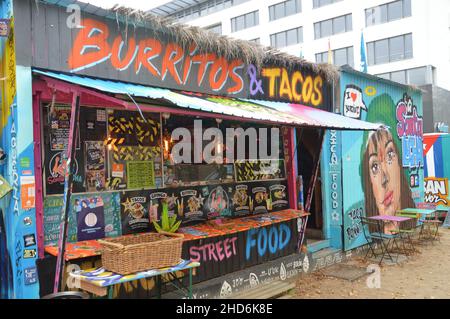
(71, 150)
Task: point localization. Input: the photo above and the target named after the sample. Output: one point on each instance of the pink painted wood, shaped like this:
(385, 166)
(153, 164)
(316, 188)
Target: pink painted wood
(38, 173)
(390, 218)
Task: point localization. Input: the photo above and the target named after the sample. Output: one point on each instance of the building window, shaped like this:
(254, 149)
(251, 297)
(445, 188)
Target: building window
(321, 3)
(333, 26)
(416, 76)
(388, 12)
(205, 8)
(286, 38)
(245, 21)
(217, 28)
(390, 50)
(284, 9)
(341, 57)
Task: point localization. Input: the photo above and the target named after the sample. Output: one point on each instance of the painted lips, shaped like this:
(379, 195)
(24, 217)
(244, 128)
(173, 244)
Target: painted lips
(388, 199)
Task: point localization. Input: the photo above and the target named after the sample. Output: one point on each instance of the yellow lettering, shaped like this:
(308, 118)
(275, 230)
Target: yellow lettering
(307, 89)
(297, 77)
(272, 74)
(317, 97)
(285, 87)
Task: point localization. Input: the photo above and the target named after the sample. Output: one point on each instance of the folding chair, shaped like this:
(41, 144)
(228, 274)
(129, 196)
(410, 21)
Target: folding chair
(374, 232)
(431, 226)
(407, 230)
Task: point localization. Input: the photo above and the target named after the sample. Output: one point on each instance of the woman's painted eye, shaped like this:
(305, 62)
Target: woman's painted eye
(390, 156)
(375, 168)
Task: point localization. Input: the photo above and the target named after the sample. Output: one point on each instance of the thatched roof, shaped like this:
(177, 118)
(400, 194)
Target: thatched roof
(208, 41)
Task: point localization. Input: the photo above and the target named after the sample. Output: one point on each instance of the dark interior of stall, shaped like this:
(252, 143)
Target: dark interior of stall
(112, 153)
(308, 153)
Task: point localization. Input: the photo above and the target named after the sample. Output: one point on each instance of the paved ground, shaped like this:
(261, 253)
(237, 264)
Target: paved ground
(424, 276)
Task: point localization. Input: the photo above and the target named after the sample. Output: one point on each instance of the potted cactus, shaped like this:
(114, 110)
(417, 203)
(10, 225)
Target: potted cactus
(168, 224)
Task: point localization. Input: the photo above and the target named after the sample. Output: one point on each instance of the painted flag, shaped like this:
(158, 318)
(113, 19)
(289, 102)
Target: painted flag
(330, 53)
(433, 156)
(363, 54)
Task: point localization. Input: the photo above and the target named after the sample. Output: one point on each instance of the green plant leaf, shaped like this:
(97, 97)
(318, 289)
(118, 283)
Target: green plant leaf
(175, 227)
(157, 227)
(165, 217)
(172, 220)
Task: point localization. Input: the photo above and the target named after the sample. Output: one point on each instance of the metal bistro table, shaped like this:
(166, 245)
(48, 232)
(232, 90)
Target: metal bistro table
(425, 213)
(396, 219)
(101, 282)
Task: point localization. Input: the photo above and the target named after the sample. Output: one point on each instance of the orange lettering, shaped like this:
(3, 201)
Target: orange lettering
(148, 50)
(272, 74)
(93, 36)
(219, 66)
(204, 60)
(117, 49)
(285, 87)
(297, 78)
(239, 82)
(174, 54)
(188, 63)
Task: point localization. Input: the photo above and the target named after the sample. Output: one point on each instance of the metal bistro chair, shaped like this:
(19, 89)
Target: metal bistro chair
(374, 232)
(430, 224)
(407, 230)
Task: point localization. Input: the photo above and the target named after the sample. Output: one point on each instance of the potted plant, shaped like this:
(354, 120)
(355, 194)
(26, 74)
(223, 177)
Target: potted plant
(168, 224)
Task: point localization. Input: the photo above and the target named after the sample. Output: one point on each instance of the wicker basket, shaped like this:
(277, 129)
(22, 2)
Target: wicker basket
(130, 254)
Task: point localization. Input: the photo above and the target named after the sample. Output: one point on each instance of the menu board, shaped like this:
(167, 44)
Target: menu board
(53, 206)
(242, 201)
(190, 205)
(140, 175)
(278, 196)
(135, 212)
(156, 204)
(260, 199)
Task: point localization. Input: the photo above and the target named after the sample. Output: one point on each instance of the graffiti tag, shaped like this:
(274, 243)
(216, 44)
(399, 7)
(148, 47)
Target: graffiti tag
(436, 191)
(410, 131)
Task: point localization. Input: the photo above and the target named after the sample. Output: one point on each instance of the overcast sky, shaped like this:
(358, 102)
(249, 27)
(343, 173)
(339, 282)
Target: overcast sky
(137, 4)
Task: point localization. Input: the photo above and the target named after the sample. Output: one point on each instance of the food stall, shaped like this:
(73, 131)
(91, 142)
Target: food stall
(142, 109)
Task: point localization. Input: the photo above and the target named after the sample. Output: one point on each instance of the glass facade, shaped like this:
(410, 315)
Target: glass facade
(286, 38)
(390, 50)
(284, 9)
(388, 12)
(245, 21)
(341, 57)
(333, 26)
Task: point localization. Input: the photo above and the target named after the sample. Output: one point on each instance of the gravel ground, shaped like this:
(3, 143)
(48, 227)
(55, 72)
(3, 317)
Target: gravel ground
(423, 276)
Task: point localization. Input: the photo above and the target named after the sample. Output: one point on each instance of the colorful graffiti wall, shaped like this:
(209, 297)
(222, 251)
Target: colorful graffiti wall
(20, 240)
(437, 169)
(383, 169)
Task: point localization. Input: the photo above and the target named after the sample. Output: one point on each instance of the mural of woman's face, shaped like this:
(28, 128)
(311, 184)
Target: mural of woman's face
(385, 173)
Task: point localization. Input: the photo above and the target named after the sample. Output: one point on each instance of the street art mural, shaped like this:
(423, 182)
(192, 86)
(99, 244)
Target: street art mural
(388, 163)
(437, 170)
(17, 141)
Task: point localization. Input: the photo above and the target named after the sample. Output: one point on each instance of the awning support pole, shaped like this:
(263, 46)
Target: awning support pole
(312, 182)
(71, 150)
(289, 149)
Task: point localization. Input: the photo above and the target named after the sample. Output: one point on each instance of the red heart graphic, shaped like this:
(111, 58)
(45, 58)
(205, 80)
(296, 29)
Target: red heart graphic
(354, 96)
